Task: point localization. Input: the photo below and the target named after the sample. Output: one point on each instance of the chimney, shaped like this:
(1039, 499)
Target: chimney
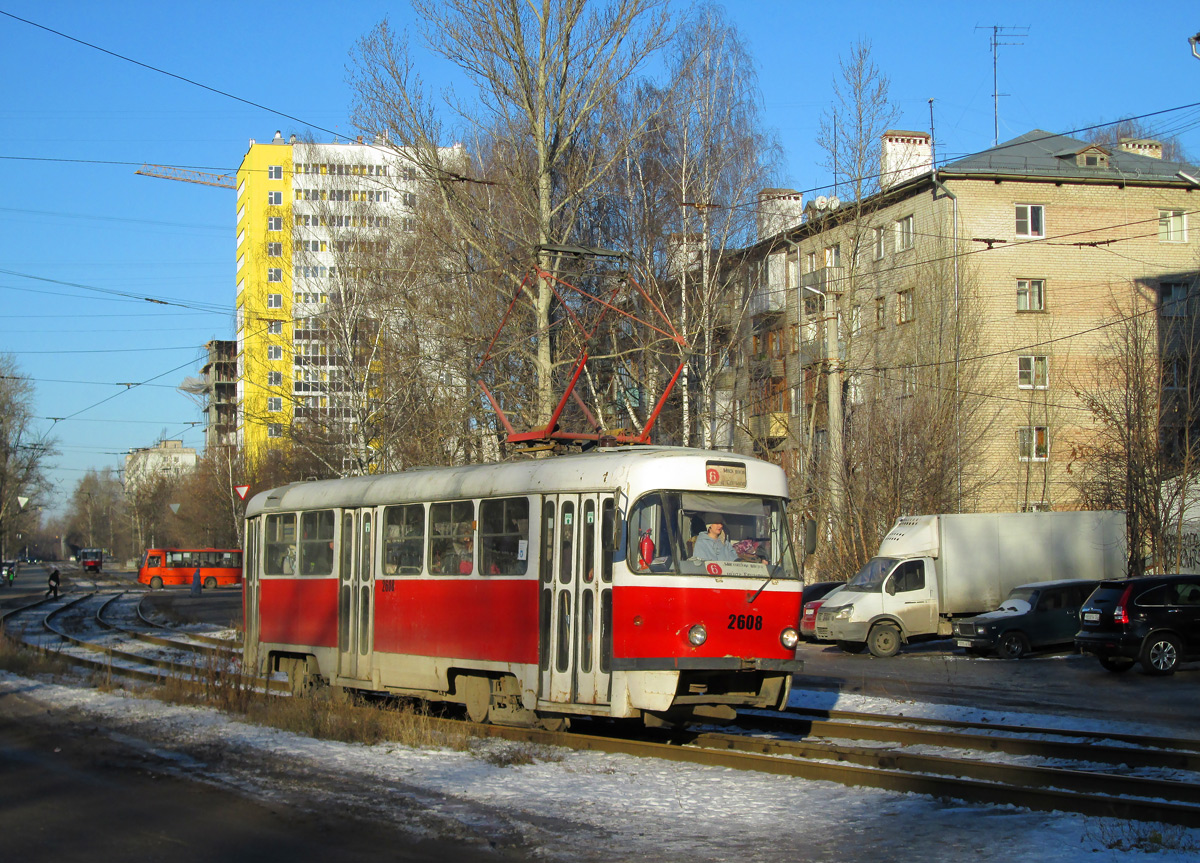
(778, 210)
(904, 155)
(278, 136)
(1142, 147)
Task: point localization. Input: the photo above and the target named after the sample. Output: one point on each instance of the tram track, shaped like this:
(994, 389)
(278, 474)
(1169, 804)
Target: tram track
(1098, 774)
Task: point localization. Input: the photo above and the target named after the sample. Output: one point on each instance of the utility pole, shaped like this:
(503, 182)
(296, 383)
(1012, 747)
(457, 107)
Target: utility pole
(999, 32)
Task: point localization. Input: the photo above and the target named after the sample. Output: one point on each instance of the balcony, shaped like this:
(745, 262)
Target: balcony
(770, 425)
(767, 299)
(827, 280)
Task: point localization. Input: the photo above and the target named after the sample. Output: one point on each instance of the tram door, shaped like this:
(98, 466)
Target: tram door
(250, 595)
(578, 586)
(356, 580)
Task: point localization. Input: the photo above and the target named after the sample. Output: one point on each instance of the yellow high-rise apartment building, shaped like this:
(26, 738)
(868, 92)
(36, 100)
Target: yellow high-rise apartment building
(298, 204)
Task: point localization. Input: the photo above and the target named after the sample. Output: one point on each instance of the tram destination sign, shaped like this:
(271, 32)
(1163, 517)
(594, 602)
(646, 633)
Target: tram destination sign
(725, 474)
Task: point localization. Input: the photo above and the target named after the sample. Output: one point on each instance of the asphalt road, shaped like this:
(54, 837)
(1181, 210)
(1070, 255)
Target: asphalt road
(1061, 683)
(72, 791)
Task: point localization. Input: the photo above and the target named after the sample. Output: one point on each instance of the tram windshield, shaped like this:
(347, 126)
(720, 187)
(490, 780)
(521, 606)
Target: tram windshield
(685, 532)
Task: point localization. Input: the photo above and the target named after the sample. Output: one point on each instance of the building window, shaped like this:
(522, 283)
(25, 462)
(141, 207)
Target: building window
(275, 274)
(811, 259)
(274, 250)
(275, 172)
(904, 233)
(1174, 373)
(274, 301)
(1033, 443)
(275, 223)
(1031, 295)
(881, 312)
(275, 199)
(879, 235)
(856, 320)
(1173, 299)
(274, 352)
(274, 404)
(1030, 222)
(275, 328)
(274, 430)
(833, 256)
(1172, 226)
(1033, 373)
(905, 307)
(274, 379)
(908, 381)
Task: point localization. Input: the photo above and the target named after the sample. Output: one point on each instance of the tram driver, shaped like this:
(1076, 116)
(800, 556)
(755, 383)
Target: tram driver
(713, 544)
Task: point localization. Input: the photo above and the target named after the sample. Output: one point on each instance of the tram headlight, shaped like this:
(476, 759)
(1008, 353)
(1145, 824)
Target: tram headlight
(698, 634)
(789, 638)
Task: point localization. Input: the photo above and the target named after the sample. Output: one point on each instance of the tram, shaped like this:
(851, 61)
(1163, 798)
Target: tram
(90, 559)
(534, 591)
(219, 567)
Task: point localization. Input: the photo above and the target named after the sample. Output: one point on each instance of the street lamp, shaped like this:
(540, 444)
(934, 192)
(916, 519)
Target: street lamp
(1194, 41)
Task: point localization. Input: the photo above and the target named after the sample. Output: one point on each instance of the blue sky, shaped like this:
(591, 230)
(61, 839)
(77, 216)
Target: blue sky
(76, 123)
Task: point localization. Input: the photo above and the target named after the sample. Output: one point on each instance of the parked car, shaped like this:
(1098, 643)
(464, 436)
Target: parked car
(811, 598)
(1034, 616)
(1154, 620)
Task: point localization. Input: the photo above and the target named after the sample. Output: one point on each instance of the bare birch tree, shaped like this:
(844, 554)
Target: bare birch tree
(541, 74)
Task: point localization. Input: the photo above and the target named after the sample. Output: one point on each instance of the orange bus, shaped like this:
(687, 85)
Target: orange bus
(218, 566)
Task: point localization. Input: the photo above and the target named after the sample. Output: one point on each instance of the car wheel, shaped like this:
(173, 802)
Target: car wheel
(1116, 664)
(884, 641)
(1160, 654)
(852, 646)
(210, 583)
(1012, 645)
(156, 583)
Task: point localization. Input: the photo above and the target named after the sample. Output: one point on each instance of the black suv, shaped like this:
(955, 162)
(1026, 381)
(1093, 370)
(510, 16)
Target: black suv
(1038, 615)
(1154, 619)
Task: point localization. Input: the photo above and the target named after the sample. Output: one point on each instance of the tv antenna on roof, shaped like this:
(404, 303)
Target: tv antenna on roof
(1000, 32)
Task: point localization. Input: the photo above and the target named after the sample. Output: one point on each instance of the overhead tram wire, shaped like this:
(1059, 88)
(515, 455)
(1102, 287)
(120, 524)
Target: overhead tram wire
(204, 307)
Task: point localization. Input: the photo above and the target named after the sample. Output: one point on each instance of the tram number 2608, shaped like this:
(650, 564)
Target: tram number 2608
(745, 621)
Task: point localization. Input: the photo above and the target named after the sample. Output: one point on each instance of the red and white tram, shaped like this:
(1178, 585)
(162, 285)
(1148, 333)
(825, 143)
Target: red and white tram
(533, 591)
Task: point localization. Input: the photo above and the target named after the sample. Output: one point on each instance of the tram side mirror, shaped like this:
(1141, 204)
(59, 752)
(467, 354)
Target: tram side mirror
(810, 536)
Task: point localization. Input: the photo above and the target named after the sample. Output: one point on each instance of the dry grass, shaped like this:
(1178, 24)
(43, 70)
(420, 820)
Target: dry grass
(1126, 836)
(326, 713)
(27, 661)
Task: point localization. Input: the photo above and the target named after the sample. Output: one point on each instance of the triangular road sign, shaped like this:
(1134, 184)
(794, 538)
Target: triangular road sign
(241, 491)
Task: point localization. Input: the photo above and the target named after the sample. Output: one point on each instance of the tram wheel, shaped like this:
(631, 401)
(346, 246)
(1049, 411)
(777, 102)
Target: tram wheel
(156, 583)
(210, 583)
(477, 696)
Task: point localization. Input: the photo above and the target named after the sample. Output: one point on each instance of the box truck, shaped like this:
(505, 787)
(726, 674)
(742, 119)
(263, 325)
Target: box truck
(931, 569)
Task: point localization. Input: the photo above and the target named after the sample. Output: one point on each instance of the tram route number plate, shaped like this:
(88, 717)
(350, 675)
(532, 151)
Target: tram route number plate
(725, 474)
(1092, 617)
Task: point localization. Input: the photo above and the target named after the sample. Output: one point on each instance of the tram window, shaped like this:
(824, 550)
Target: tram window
(346, 566)
(316, 542)
(504, 536)
(279, 546)
(566, 540)
(587, 556)
(608, 539)
(452, 538)
(404, 539)
(605, 630)
(154, 560)
(548, 541)
(563, 653)
(649, 520)
(586, 626)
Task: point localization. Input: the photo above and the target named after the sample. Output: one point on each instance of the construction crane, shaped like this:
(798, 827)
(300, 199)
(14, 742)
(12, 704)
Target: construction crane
(225, 181)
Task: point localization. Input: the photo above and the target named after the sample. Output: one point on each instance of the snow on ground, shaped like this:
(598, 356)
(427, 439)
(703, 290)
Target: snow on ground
(588, 806)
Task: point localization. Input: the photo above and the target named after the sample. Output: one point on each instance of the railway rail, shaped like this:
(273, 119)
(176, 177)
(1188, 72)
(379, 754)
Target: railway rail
(1099, 774)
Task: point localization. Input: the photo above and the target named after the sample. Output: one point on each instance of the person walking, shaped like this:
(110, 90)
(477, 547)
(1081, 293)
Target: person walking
(53, 582)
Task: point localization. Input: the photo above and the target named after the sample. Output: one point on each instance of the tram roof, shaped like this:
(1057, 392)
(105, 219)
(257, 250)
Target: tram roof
(598, 469)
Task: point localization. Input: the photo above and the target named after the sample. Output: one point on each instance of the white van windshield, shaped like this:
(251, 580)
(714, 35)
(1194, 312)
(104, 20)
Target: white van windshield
(870, 578)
